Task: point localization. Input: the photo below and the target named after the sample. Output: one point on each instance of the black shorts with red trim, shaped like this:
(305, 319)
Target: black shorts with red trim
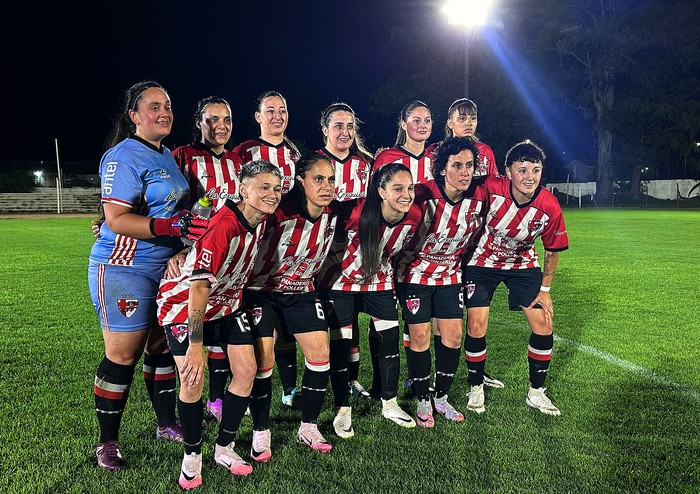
(420, 303)
(480, 284)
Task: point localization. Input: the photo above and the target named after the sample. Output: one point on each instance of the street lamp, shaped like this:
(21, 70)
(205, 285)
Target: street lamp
(468, 13)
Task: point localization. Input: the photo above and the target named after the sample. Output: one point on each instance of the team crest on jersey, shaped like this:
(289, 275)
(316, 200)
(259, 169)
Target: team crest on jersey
(179, 331)
(535, 226)
(471, 287)
(413, 304)
(127, 306)
(255, 314)
(363, 175)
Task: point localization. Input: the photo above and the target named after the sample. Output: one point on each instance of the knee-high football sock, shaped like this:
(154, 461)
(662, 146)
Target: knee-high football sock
(191, 416)
(446, 363)
(339, 353)
(286, 360)
(475, 355)
(389, 360)
(112, 384)
(539, 355)
(314, 384)
(231, 416)
(260, 399)
(421, 362)
(219, 372)
(160, 376)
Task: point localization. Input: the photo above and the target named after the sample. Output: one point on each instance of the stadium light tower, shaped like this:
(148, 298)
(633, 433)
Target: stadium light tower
(470, 14)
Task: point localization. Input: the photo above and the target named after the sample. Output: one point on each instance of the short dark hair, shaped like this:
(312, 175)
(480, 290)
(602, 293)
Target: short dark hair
(449, 147)
(525, 151)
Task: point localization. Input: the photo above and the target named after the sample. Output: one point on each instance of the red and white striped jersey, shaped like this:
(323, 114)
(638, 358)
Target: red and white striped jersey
(224, 255)
(344, 270)
(433, 257)
(351, 176)
(280, 155)
(510, 230)
(213, 175)
(487, 160)
(294, 246)
(419, 165)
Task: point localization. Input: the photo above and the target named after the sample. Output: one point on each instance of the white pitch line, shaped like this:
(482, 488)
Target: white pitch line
(632, 367)
(625, 364)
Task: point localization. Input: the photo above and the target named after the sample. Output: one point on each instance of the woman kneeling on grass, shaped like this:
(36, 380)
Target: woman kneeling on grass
(203, 306)
(520, 210)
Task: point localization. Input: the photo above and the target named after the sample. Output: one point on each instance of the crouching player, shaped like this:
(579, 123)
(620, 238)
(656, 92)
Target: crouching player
(202, 306)
(520, 210)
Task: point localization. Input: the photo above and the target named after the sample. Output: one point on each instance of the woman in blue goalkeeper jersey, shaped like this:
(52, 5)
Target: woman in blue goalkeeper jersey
(144, 197)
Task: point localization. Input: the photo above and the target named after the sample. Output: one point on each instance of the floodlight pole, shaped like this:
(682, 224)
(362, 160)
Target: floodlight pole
(58, 180)
(468, 37)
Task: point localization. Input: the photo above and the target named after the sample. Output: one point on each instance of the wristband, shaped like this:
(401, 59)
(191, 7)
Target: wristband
(545, 288)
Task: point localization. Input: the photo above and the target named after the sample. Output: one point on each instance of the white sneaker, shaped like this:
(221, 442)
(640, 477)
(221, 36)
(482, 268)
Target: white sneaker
(261, 450)
(191, 471)
(476, 399)
(229, 459)
(493, 382)
(342, 423)
(392, 411)
(538, 400)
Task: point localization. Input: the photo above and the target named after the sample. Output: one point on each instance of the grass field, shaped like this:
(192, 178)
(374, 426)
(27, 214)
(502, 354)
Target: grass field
(624, 373)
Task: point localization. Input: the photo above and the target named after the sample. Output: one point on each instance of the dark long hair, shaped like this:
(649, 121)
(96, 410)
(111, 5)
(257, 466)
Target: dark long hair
(403, 117)
(122, 125)
(296, 154)
(449, 147)
(357, 148)
(371, 217)
(463, 106)
(199, 112)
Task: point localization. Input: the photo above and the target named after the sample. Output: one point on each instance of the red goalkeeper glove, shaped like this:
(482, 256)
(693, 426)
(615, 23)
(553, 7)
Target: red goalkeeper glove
(183, 224)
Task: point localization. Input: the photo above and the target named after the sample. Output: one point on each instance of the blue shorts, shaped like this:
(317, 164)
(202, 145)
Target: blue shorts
(340, 306)
(480, 284)
(420, 303)
(290, 313)
(124, 297)
(228, 330)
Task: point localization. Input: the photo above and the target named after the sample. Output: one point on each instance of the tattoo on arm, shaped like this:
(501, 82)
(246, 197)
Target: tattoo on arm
(550, 263)
(196, 326)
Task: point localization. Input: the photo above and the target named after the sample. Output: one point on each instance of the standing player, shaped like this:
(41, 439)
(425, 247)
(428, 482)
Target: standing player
(212, 171)
(520, 210)
(461, 122)
(144, 198)
(281, 293)
(353, 166)
(414, 128)
(202, 306)
(273, 145)
(429, 273)
(360, 277)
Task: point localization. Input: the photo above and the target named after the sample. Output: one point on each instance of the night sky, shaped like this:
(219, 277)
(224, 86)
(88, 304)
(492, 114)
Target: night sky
(66, 68)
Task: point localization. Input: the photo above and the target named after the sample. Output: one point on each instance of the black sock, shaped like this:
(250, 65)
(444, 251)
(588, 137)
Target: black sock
(286, 360)
(191, 416)
(339, 367)
(539, 354)
(260, 399)
(446, 363)
(112, 384)
(475, 355)
(314, 384)
(219, 372)
(421, 373)
(160, 376)
(231, 416)
(389, 361)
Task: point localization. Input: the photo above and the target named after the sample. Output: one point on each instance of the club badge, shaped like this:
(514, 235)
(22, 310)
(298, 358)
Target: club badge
(256, 314)
(470, 289)
(179, 331)
(413, 304)
(127, 306)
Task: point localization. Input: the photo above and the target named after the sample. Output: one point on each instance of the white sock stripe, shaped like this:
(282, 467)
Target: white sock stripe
(396, 355)
(264, 374)
(319, 390)
(475, 354)
(537, 351)
(171, 390)
(107, 386)
(215, 349)
(354, 357)
(108, 412)
(383, 324)
(320, 367)
(406, 337)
